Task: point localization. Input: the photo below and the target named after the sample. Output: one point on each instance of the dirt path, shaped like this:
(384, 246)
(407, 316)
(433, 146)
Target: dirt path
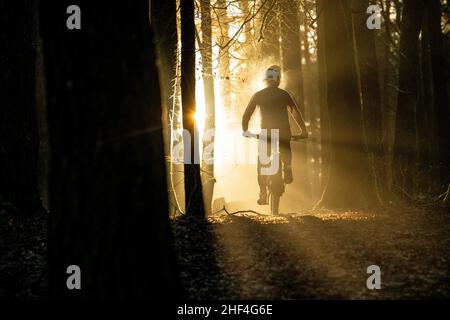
(309, 255)
(314, 255)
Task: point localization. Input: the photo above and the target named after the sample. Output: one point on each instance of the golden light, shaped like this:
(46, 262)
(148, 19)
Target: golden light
(199, 117)
(200, 110)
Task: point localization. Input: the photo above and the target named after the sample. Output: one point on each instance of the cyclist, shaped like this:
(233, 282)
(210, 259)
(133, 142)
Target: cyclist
(274, 104)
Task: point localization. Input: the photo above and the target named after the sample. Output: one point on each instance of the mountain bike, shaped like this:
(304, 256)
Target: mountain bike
(276, 183)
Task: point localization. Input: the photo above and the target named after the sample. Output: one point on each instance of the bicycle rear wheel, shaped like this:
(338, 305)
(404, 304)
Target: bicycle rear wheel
(276, 189)
(274, 203)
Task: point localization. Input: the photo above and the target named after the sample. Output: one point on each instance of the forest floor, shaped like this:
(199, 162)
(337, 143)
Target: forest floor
(23, 247)
(316, 254)
(307, 255)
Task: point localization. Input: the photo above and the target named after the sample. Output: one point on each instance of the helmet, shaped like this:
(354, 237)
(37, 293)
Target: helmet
(273, 75)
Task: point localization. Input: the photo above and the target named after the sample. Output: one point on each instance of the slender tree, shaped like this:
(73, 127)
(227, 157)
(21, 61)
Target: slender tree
(270, 31)
(108, 191)
(192, 178)
(291, 51)
(210, 105)
(164, 22)
(304, 35)
(292, 71)
(322, 85)
(424, 115)
(247, 27)
(388, 71)
(405, 133)
(19, 143)
(440, 92)
(311, 96)
(370, 92)
(348, 166)
(223, 24)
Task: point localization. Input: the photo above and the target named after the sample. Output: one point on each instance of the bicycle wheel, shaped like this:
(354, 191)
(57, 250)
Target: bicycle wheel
(274, 203)
(276, 189)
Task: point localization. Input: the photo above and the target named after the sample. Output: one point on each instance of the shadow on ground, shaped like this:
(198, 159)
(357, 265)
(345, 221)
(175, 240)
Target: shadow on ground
(316, 255)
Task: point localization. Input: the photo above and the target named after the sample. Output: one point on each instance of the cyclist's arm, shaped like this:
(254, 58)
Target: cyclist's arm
(296, 113)
(248, 113)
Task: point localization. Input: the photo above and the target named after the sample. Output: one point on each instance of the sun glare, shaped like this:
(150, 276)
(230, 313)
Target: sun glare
(200, 111)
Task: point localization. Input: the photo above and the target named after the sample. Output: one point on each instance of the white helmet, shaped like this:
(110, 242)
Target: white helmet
(273, 74)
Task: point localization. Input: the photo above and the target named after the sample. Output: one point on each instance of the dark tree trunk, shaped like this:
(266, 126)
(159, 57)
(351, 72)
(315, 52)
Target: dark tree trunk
(324, 116)
(440, 93)
(291, 51)
(385, 65)
(41, 105)
(425, 128)
(108, 192)
(385, 90)
(348, 168)
(292, 71)
(210, 106)
(370, 94)
(192, 179)
(164, 23)
(19, 143)
(405, 134)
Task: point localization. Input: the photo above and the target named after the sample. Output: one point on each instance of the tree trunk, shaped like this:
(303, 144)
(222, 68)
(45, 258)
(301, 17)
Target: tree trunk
(387, 72)
(19, 143)
(192, 179)
(405, 135)
(348, 168)
(270, 32)
(210, 106)
(108, 191)
(305, 36)
(311, 103)
(164, 22)
(425, 128)
(370, 94)
(440, 93)
(324, 116)
(247, 47)
(293, 73)
(224, 58)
